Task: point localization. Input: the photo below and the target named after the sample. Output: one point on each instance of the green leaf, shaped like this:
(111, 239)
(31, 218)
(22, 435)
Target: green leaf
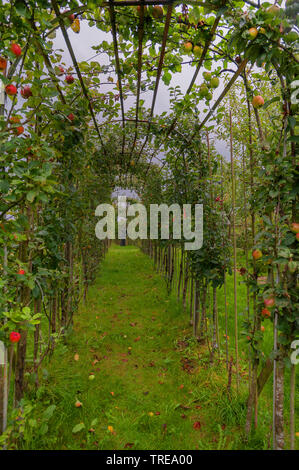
(79, 427)
(273, 100)
(43, 429)
(31, 196)
(48, 413)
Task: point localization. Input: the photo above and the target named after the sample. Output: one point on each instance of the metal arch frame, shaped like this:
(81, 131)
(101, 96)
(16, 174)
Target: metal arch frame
(117, 64)
(71, 51)
(159, 72)
(142, 3)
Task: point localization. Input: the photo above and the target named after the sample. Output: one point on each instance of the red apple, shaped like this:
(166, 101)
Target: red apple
(188, 46)
(270, 302)
(16, 49)
(3, 63)
(69, 79)
(26, 92)
(71, 117)
(14, 337)
(295, 227)
(266, 313)
(257, 254)
(19, 130)
(257, 101)
(297, 236)
(61, 70)
(21, 272)
(157, 12)
(14, 119)
(11, 90)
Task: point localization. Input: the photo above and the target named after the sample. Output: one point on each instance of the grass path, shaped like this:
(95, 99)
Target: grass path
(153, 386)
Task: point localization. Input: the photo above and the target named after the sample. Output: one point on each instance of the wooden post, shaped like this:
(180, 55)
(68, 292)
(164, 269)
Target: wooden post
(234, 248)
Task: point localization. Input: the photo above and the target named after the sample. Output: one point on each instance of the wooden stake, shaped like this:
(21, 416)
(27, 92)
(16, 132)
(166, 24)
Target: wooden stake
(234, 249)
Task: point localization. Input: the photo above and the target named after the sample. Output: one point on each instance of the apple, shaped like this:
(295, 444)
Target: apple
(274, 10)
(266, 313)
(19, 130)
(26, 92)
(188, 46)
(3, 63)
(295, 227)
(262, 31)
(157, 12)
(14, 119)
(78, 404)
(253, 32)
(69, 79)
(270, 302)
(292, 265)
(61, 70)
(71, 117)
(91, 377)
(197, 51)
(297, 237)
(70, 16)
(204, 89)
(21, 272)
(16, 49)
(11, 90)
(257, 254)
(207, 76)
(214, 82)
(139, 9)
(257, 101)
(14, 337)
(262, 328)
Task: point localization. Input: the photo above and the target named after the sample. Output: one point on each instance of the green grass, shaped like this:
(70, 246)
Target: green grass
(152, 380)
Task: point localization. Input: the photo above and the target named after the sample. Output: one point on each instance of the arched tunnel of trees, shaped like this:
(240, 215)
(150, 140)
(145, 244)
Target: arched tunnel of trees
(175, 103)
